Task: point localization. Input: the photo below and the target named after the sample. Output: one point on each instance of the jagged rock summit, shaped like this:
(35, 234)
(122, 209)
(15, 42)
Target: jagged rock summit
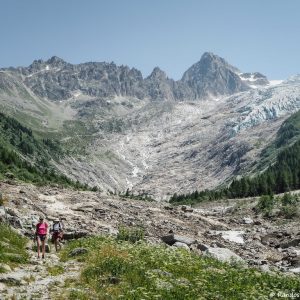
(213, 76)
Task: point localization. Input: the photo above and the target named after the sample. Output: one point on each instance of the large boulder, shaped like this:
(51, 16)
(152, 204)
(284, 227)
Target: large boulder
(295, 270)
(171, 239)
(202, 246)
(223, 254)
(2, 214)
(247, 220)
(181, 245)
(290, 243)
(75, 235)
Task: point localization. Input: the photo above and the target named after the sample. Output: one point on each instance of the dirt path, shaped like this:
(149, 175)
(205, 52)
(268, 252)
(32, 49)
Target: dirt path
(39, 279)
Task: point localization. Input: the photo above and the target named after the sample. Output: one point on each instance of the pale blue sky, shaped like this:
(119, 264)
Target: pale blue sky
(256, 35)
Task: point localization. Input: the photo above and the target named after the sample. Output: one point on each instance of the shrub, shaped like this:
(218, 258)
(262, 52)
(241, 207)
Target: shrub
(289, 199)
(132, 235)
(122, 270)
(266, 203)
(290, 211)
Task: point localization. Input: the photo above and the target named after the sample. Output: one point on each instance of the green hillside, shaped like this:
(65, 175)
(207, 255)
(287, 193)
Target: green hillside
(28, 158)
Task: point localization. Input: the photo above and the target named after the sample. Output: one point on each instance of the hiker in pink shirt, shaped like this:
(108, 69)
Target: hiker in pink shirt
(41, 235)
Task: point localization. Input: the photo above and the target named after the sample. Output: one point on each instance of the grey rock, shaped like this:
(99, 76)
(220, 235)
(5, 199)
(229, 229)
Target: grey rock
(5, 267)
(187, 208)
(11, 212)
(295, 270)
(181, 245)
(264, 268)
(295, 261)
(291, 243)
(168, 207)
(3, 287)
(15, 221)
(257, 236)
(202, 247)
(78, 251)
(257, 222)
(247, 220)
(173, 238)
(2, 212)
(223, 254)
(75, 235)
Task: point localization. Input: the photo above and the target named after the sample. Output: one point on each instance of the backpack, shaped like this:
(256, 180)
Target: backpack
(59, 227)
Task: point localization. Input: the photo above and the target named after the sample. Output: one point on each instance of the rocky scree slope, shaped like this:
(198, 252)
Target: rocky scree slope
(207, 127)
(172, 147)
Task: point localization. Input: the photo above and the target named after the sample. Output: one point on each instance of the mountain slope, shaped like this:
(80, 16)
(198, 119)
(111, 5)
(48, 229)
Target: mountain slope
(281, 175)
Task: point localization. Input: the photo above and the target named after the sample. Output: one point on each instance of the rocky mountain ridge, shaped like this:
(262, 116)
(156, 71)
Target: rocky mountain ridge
(56, 80)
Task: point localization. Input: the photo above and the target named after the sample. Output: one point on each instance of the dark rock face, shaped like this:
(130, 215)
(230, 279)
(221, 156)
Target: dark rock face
(58, 80)
(160, 87)
(213, 76)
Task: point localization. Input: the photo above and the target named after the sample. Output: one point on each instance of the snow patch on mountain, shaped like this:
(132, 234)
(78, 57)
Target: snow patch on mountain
(275, 82)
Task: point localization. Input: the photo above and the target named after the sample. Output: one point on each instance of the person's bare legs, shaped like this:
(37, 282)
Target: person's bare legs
(43, 248)
(56, 244)
(59, 243)
(38, 245)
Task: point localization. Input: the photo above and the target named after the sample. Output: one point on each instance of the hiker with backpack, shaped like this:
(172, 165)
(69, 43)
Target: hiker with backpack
(57, 233)
(41, 236)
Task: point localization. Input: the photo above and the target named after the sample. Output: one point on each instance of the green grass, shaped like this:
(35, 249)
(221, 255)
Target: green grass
(55, 270)
(12, 247)
(122, 270)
